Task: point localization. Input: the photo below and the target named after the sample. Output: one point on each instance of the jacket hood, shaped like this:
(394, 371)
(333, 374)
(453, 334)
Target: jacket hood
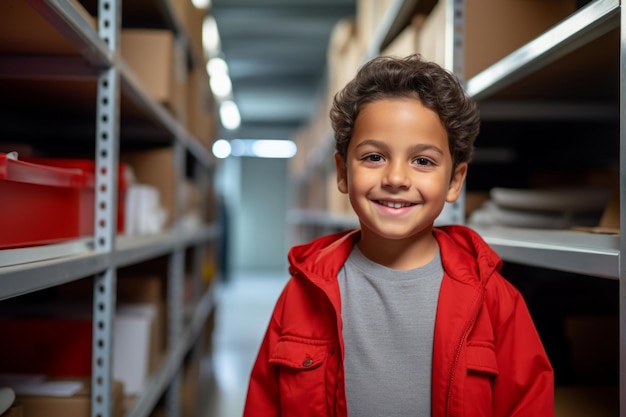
(465, 255)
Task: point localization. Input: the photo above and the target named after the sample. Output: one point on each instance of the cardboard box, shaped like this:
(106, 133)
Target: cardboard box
(156, 167)
(593, 342)
(337, 202)
(194, 21)
(190, 389)
(160, 65)
(16, 410)
(369, 14)
(61, 346)
(202, 115)
(406, 43)
(17, 20)
(180, 9)
(133, 288)
(493, 29)
(77, 405)
(147, 289)
(344, 56)
(134, 339)
(586, 401)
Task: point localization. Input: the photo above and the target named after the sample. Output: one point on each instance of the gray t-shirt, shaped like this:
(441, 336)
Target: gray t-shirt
(388, 325)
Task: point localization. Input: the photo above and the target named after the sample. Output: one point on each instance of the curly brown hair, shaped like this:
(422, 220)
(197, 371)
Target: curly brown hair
(386, 77)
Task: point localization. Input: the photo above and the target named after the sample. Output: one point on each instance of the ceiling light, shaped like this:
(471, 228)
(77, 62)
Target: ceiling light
(221, 85)
(274, 148)
(210, 36)
(261, 148)
(201, 4)
(217, 66)
(221, 149)
(229, 115)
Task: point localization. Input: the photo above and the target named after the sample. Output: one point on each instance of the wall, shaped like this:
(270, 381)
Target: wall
(256, 195)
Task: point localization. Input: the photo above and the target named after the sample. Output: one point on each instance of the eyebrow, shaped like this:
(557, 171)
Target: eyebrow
(420, 147)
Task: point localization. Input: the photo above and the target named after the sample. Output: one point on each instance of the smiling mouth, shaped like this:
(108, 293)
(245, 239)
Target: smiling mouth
(394, 204)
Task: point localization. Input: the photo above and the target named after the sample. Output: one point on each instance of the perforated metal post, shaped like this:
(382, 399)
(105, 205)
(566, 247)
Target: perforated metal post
(107, 148)
(622, 187)
(454, 59)
(176, 276)
(201, 179)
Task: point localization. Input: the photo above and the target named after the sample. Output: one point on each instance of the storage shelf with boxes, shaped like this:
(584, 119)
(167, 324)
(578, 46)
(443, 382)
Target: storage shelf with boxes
(546, 77)
(120, 119)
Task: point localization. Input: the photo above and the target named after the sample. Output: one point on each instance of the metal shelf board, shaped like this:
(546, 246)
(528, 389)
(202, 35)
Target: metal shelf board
(390, 23)
(396, 18)
(583, 253)
(69, 21)
(24, 278)
(131, 250)
(48, 67)
(16, 256)
(585, 25)
(131, 87)
(202, 234)
(550, 110)
(159, 382)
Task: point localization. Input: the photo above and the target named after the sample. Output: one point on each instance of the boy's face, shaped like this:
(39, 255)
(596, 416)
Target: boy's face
(398, 171)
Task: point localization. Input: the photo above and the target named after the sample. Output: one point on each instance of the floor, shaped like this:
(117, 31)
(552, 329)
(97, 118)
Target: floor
(245, 304)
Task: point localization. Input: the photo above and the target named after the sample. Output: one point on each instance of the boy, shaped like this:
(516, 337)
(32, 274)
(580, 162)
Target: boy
(400, 318)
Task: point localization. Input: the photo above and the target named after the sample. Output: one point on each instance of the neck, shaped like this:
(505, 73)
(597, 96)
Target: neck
(400, 254)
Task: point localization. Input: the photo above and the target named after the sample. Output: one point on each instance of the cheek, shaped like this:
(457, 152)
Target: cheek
(433, 186)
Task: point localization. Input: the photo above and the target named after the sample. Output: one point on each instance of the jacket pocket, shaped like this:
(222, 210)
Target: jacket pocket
(302, 375)
(482, 369)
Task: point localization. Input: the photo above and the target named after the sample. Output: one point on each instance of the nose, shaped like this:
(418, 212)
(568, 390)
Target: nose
(396, 176)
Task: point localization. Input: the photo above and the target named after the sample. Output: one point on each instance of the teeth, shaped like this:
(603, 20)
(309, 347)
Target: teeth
(394, 205)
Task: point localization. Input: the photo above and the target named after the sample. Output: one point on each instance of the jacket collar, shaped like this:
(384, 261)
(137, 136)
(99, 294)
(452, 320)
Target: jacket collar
(465, 255)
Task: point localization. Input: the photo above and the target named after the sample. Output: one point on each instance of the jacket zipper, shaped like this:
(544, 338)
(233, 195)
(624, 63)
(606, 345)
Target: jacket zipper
(459, 347)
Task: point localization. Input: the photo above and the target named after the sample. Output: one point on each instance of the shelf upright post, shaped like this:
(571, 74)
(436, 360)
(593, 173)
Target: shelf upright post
(106, 158)
(622, 198)
(176, 276)
(201, 178)
(454, 60)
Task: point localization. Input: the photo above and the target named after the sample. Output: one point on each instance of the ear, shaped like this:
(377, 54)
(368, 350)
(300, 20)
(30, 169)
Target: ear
(342, 174)
(456, 183)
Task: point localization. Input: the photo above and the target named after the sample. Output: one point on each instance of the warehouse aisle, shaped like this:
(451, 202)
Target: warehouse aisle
(244, 309)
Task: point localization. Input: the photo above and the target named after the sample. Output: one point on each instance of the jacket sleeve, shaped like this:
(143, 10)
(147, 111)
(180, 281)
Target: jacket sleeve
(524, 386)
(262, 399)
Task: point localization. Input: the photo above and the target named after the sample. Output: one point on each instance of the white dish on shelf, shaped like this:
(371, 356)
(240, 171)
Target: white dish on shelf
(7, 397)
(489, 214)
(554, 199)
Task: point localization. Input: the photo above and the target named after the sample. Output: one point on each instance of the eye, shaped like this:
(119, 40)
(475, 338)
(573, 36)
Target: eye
(373, 157)
(423, 161)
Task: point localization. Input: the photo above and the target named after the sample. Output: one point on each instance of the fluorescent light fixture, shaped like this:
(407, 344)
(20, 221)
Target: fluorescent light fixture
(229, 115)
(221, 148)
(261, 148)
(201, 4)
(217, 66)
(210, 35)
(221, 85)
(274, 148)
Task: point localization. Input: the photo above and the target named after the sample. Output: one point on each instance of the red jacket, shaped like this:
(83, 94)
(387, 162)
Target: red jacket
(487, 357)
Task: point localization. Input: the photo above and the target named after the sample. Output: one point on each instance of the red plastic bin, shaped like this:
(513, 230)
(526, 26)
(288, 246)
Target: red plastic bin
(89, 168)
(47, 200)
(39, 204)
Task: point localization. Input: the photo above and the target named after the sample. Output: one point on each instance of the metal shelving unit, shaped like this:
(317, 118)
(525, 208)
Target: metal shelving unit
(595, 255)
(34, 269)
(589, 254)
